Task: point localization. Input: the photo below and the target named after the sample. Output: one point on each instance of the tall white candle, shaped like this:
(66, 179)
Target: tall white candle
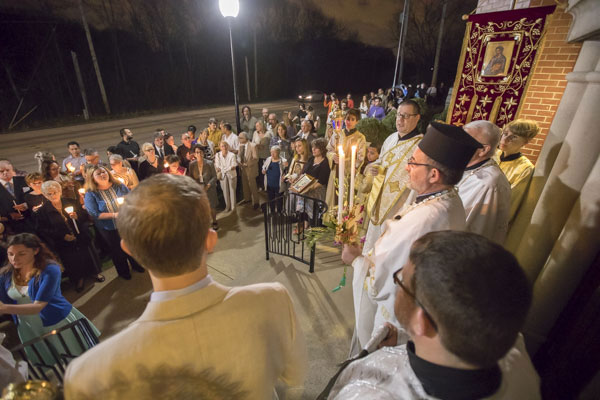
(352, 172)
(341, 185)
(69, 210)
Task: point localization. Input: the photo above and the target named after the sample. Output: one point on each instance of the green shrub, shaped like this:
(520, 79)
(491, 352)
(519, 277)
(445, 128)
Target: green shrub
(374, 131)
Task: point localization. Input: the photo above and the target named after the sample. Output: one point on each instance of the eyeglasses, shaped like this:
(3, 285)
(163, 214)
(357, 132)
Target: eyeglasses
(411, 161)
(149, 150)
(405, 116)
(398, 281)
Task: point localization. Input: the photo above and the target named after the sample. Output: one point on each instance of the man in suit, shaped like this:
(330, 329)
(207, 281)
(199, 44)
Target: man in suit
(248, 163)
(306, 132)
(13, 209)
(160, 149)
(196, 336)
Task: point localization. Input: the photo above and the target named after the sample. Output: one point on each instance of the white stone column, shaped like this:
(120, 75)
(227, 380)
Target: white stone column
(557, 234)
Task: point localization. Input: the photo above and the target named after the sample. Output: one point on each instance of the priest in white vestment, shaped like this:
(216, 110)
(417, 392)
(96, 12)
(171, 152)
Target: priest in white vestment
(389, 192)
(484, 189)
(435, 166)
(463, 300)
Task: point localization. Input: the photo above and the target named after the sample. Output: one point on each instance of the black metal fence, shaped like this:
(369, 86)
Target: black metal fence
(286, 219)
(48, 356)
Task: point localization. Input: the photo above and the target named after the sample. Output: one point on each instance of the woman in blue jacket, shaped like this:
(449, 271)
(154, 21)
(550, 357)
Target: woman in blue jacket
(102, 203)
(30, 291)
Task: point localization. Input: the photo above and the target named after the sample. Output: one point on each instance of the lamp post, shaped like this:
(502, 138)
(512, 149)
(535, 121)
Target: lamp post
(229, 10)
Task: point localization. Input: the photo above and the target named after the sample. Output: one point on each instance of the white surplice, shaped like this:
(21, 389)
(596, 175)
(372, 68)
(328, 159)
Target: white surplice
(373, 286)
(485, 193)
(387, 375)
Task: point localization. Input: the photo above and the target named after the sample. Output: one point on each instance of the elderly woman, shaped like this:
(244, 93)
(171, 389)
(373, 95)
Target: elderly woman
(123, 174)
(517, 167)
(225, 165)
(173, 165)
(273, 171)
(51, 171)
(61, 224)
(151, 165)
(34, 198)
(203, 172)
(102, 198)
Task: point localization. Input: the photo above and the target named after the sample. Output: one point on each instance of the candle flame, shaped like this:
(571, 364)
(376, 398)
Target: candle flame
(120, 200)
(81, 191)
(70, 167)
(121, 179)
(69, 209)
(166, 165)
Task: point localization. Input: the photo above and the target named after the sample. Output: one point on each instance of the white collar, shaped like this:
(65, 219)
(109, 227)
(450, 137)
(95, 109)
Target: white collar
(172, 294)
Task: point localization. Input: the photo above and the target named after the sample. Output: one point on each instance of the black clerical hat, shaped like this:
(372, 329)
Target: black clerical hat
(449, 145)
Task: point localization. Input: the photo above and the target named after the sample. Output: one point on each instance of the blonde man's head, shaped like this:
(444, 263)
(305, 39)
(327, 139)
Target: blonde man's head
(525, 128)
(168, 234)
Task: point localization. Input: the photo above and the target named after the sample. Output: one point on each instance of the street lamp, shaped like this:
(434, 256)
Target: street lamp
(230, 9)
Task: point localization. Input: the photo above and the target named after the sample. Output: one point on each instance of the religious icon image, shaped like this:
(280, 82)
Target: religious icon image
(496, 60)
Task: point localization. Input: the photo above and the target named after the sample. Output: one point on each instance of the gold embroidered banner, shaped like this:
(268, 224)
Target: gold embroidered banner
(498, 55)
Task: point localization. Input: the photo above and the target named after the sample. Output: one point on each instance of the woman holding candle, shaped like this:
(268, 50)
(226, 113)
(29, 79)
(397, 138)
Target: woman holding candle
(124, 174)
(102, 200)
(30, 291)
(317, 166)
(51, 171)
(34, 198)
(61, 224)
(172, 165)
(225, 165)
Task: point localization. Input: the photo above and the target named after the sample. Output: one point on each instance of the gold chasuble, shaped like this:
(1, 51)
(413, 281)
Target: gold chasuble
(389, 185)
(518, 170)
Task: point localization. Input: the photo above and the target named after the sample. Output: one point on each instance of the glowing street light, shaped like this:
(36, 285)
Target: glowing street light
(230, 9)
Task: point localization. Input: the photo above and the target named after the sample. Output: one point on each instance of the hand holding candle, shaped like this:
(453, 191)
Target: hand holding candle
(69, 210)
(120, 200)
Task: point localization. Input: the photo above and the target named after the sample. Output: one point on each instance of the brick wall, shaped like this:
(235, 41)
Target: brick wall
(547, 83)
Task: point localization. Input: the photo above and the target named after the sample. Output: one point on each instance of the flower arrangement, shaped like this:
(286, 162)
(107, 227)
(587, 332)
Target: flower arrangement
(346, 231)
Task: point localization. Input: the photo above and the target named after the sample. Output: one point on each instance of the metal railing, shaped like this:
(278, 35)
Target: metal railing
(47, 356)
(286, 219)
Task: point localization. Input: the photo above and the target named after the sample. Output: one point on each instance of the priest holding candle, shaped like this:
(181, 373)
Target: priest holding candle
(57, 224)
(436, 165)
(346, 138)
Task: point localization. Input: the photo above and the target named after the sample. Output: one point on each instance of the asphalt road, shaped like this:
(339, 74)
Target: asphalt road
(20, 147)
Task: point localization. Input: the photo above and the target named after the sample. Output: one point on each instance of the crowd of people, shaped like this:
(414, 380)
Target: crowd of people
(432, 270)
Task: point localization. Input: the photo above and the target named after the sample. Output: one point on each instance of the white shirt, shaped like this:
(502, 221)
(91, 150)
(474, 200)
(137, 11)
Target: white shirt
(226, 164)
(165, 295)
(232, 140)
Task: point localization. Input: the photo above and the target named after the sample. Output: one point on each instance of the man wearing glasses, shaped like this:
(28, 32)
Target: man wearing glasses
(484, 189)
(463, 300)
(436, 165)
(389, 192)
